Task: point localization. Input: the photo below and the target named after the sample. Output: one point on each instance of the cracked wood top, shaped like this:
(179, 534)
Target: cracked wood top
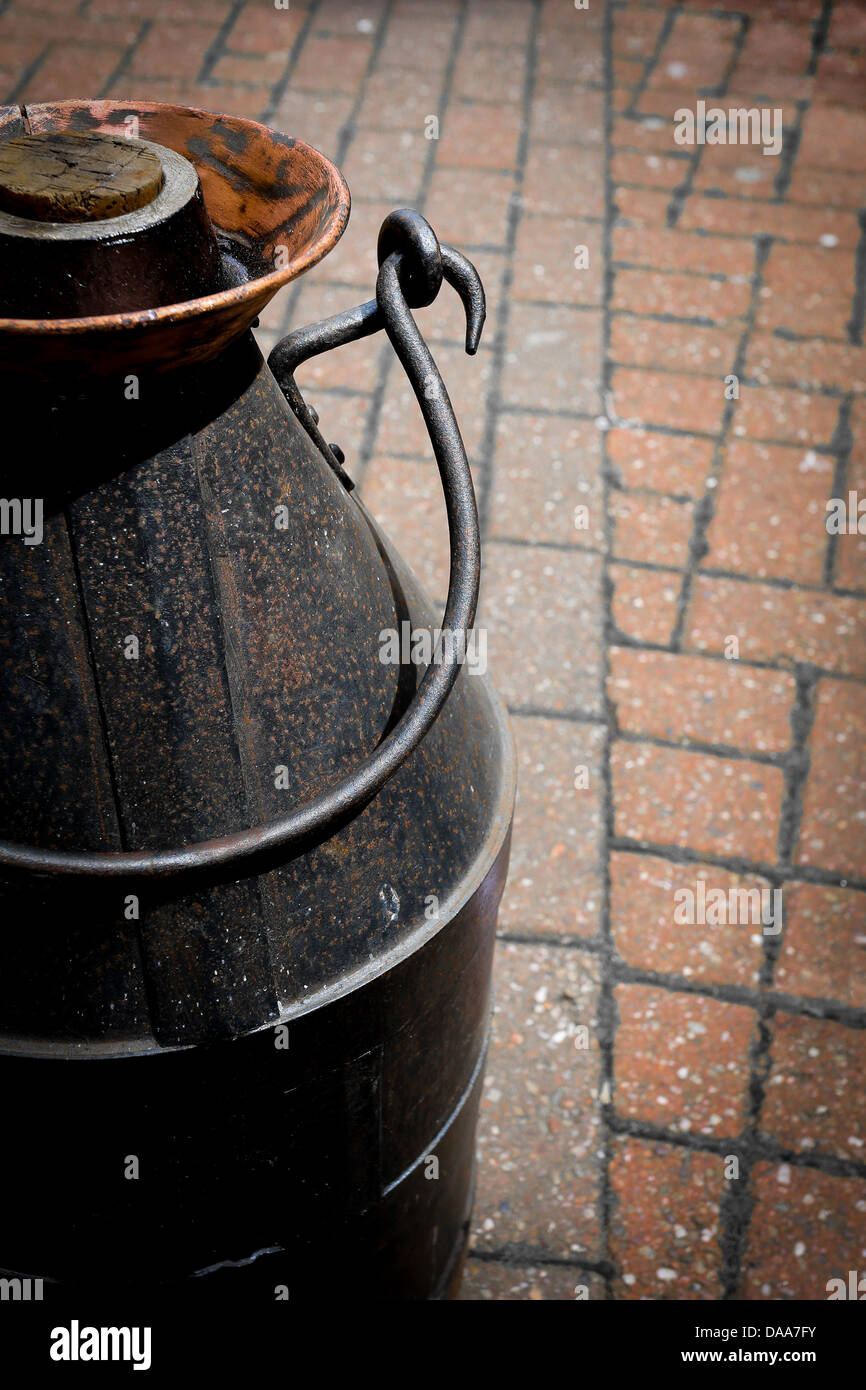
(63, 176)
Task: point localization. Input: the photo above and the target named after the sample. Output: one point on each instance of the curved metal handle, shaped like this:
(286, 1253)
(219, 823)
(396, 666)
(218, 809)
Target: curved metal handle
(412, 267)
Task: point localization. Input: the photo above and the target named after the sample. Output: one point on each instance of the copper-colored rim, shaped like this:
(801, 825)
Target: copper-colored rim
(258, 290)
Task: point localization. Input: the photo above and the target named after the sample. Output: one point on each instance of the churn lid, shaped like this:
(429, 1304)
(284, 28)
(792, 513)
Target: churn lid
(135, 233)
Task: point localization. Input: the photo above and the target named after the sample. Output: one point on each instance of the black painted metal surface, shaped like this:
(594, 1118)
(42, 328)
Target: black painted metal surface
(201, 520)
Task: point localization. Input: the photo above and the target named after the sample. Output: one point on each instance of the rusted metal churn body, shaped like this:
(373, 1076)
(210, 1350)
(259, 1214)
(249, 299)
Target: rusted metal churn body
(250, 871)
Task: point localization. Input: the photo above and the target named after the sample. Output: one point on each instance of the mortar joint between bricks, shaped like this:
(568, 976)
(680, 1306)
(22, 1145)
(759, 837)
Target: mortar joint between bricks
(704, 510)
(842, 444)
(797, 768)
(685, 189)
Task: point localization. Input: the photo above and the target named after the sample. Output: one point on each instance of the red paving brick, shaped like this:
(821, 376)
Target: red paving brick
(807, 291)
(665, 1226)
(677, 698)
(648, 937)
(737, 216)
(665, 463)
(546, 194)
(684, 296)
(833, 830)
(808, 1228)
(778, 625)
(675, 401)
(770, 513)
(486, 1280)
(792, 362)
(555, 886)
(539, 1134)
(814, 1097)
(710, 804)
(644, 603)
(399, 492)
(656, 530)
(553, 358)
(559, 262)
(678, 347)
(544, 471)
(480, 137)
(540, 603)
(565, 390)
(824, 944)
(682, 1060)
(790, 416)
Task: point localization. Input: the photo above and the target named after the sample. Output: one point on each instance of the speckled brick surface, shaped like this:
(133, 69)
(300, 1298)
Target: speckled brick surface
(665, 1225)
(539, 1142)
(682, 1060)
(643, 892)
(555, 886)
(808, 1228)
(486, 1280)
(665, 607)
(814, 1097)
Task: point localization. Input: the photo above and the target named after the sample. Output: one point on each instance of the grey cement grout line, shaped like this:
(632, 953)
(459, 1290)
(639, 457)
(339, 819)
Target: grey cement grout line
(127, 57)
(281, 86)
(567, 941)
(217, 49)
(760, 1148)
(844, 442)
(561, 413)
(606, 1012)
(595, 721)
(796, 765)
(723, 195)
(703, 512)
(858, 305)
(556, 303)
(820, 34)
(640, 645)
(486, 452)
(718, 276)
(528, 543)
(791, 137)
(681, 194)
(347, 132)
(649, 63)
(521, 1256)
(387, 357)
(758, 998)
(30, 71)
(776, 874)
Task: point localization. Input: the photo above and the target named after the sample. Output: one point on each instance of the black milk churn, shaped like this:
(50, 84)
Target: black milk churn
(250, 868)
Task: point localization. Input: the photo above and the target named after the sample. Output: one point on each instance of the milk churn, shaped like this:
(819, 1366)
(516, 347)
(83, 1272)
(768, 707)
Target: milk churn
(250, 867)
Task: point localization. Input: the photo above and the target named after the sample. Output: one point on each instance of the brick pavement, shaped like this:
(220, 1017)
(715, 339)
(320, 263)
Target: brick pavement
(679, 639)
